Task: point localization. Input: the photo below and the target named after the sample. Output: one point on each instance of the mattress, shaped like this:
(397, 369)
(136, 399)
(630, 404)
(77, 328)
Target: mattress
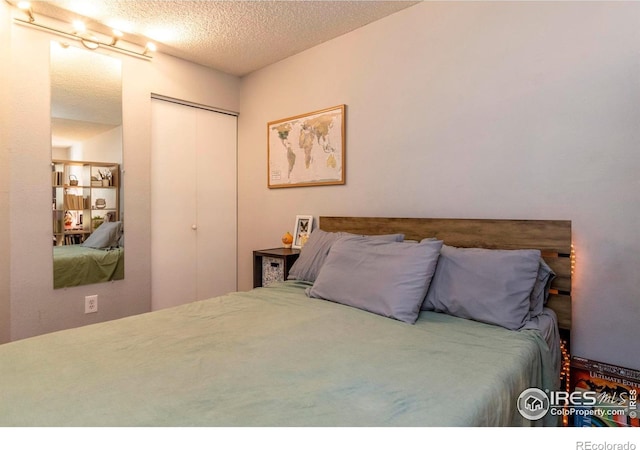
(273, 357)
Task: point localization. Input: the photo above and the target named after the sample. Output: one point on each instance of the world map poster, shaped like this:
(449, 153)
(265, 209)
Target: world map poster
(307, 150)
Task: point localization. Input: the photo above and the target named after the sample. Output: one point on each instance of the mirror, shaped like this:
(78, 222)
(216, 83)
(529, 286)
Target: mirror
(86, 182)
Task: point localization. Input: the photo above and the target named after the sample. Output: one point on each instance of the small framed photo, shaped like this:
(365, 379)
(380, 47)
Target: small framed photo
(302, 231)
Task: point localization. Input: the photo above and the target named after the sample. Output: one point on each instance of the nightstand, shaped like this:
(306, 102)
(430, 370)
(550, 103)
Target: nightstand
(272, 264)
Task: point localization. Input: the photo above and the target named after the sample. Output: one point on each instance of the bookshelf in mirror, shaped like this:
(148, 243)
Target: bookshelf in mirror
(84, 195)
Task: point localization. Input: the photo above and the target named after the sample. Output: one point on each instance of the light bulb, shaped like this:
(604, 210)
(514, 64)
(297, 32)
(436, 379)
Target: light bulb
(117, 34)
(79, 26)
(26, 7)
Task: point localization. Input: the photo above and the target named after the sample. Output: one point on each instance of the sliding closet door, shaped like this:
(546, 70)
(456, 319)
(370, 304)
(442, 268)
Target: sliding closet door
(173, 205)
(216, 149)
(193, 204)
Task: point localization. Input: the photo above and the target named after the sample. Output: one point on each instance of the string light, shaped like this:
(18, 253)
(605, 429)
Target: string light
(565, 374)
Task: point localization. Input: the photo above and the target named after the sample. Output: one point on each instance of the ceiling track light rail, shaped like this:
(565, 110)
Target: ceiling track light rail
(87, 40)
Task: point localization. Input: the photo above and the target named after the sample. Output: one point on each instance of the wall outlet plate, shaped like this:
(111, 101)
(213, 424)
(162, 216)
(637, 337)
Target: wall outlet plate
(90, 304)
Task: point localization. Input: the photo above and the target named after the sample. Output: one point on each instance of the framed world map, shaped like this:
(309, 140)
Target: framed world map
(307, 150)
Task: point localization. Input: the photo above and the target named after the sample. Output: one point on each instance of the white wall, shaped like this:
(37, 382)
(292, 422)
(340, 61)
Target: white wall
(35, 307)
(476, 110)
(104, 147)
(5, 264)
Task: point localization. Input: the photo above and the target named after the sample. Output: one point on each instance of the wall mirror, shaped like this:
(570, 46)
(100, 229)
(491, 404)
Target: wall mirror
(86, 163)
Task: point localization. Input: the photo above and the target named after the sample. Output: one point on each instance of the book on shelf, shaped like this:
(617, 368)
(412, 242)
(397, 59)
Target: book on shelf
(57, 177)
(73, 239)
(73, 201)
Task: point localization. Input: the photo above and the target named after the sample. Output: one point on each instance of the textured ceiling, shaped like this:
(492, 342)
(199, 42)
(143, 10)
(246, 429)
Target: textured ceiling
(236, 37)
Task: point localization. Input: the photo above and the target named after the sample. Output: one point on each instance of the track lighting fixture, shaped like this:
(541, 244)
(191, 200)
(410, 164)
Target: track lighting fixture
(26, 7)
(80, 33)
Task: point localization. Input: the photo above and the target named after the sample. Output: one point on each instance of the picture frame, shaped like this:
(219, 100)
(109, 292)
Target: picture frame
(307, 150)
(302, 230)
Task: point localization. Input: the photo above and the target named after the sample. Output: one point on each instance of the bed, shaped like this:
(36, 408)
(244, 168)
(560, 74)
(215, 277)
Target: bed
(278, 356)
(100, 258)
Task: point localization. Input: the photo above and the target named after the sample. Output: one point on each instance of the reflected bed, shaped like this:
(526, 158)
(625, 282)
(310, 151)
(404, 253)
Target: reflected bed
(76, 265)
(98, 259)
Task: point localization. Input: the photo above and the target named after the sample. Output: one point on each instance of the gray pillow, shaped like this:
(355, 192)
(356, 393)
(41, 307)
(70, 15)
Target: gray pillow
(386, 278)
(491, 286)
(540, 292)
(315, 251)
(106, 235)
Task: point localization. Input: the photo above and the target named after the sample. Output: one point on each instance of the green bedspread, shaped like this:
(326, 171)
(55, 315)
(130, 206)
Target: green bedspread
(75, 265)
(271, 357)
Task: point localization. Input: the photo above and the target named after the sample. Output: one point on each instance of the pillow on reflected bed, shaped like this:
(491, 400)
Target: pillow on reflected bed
(106, 235)
(315, 251)
(386, 278)
(491, 286)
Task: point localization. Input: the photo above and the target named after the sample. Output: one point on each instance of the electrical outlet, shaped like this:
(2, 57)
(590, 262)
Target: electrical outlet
(90, 304)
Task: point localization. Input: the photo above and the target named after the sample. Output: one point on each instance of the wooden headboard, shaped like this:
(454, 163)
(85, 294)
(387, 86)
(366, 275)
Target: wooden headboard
(551, 237)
